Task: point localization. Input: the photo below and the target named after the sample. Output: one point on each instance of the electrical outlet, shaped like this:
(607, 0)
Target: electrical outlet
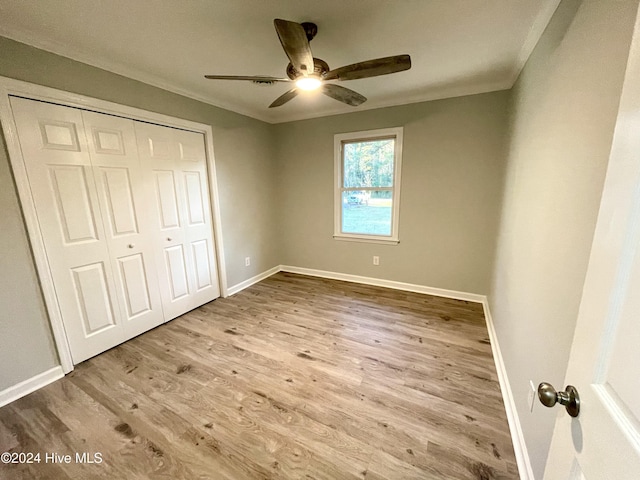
(376, 260)
(532, 395)
(247, 261)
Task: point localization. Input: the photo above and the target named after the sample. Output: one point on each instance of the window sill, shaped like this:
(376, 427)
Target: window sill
(382, 241)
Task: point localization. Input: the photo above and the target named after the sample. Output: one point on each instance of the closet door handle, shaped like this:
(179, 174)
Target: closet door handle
(168, 239)
(131, 245)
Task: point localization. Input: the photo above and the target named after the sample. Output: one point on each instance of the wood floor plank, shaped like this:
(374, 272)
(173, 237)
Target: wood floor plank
(294, 377)
(237, 409)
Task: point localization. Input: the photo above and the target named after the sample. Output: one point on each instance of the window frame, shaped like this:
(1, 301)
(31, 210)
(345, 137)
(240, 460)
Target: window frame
(353, 137)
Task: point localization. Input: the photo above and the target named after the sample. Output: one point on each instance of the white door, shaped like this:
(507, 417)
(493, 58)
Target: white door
(124, 204)
(59, 169)
(603, 442)
(124, 212)
(175, 161)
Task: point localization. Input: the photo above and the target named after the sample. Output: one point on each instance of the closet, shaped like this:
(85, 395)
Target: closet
(124, 211)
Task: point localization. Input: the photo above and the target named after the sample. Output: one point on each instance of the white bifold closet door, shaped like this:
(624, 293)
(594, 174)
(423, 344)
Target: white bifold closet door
(96, 203)
(175, 161)
(123, 203)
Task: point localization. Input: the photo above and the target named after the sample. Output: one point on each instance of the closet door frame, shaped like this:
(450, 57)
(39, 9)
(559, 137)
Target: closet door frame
(11, 87)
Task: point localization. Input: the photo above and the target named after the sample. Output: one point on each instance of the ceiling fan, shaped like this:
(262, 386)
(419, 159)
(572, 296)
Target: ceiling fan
(309, 73)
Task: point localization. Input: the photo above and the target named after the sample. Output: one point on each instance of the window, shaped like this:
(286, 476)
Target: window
(367, 192)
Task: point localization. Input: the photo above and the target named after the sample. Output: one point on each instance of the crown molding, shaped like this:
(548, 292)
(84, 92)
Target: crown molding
(533, 37)
(70, 52)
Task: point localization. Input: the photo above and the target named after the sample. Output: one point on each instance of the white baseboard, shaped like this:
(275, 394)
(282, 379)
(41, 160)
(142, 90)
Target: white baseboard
(517, 436)
(379, 282)
(30, 385)
(247, 283)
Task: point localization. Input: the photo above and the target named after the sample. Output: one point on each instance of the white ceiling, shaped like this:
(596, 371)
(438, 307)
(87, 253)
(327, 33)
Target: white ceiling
(457, 47)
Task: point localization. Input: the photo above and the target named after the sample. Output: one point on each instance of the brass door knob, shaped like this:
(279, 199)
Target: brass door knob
(569, 398)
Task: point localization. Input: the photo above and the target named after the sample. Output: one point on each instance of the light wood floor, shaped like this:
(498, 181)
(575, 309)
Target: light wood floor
(295, 377)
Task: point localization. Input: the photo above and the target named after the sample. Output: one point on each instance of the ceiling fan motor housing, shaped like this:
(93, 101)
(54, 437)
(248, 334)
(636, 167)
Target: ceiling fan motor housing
(320, 67)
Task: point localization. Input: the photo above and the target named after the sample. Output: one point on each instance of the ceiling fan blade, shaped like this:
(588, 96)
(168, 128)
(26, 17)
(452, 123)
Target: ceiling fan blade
(370, 68)
(295, 44)
(343, 95)
(252, 78)
(284, 98)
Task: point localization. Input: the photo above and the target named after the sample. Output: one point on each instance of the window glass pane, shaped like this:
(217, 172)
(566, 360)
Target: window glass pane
(367, 212)
(368, 163)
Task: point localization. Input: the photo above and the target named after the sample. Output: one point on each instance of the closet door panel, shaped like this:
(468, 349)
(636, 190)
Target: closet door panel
(123, 192)
(177, 268)
(177, 161)
(94, 298)
(198, 232)
(136, 288)
(158, 153)
(195, 200)
(202, 262)
(69, 188)
(119, 205)
(58, 165)
(167, 200)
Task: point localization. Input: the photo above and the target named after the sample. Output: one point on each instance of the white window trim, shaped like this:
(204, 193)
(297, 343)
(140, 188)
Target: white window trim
(338, 139)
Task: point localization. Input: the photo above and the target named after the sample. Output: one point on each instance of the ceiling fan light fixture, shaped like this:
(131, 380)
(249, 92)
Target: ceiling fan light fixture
(308, 83)
(311, 74)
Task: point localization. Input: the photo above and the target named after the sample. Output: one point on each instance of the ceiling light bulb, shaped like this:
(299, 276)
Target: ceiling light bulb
(308, 83)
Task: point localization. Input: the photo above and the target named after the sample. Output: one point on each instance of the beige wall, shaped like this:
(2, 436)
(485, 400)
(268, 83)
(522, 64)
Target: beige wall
(26, 344)
(451, 179)
(563, 110)
(243, 150)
